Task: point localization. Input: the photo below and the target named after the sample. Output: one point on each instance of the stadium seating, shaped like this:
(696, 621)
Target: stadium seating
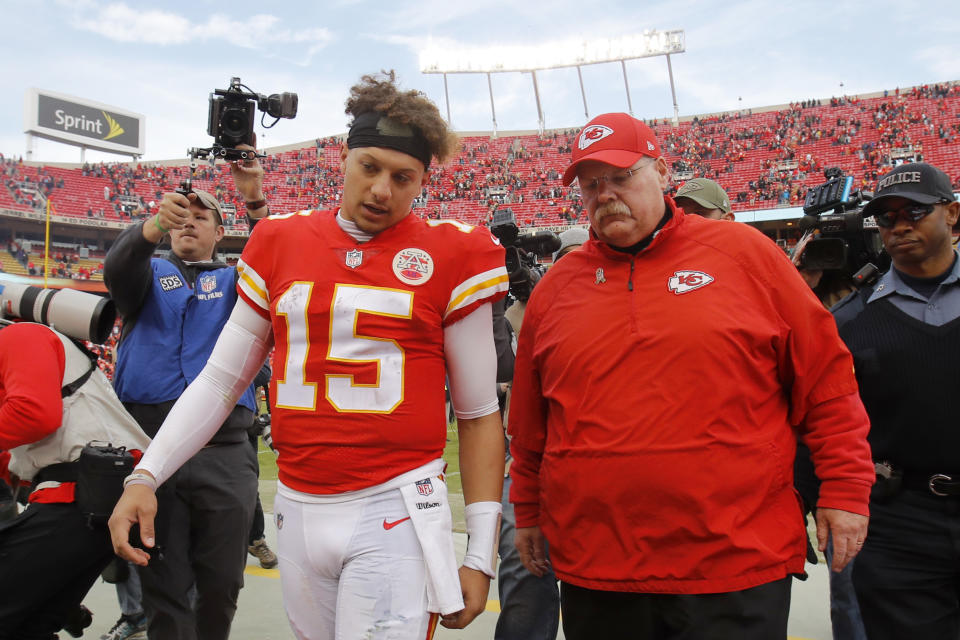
(763, 159)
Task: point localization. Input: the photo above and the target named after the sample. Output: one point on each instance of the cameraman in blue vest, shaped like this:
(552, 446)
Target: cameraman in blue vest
(173, 309)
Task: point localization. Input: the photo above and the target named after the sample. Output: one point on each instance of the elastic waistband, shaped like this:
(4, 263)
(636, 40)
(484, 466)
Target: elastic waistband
(429, 470)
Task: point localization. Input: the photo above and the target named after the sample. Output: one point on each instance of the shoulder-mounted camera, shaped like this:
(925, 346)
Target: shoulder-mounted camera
(231, 118)
(522, 251)
(841, 239)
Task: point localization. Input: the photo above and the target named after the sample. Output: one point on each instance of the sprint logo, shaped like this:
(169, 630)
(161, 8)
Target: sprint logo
(83, 124)
(115, 128)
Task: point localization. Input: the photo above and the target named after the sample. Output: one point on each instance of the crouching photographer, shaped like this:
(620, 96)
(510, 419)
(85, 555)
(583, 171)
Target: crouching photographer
(62, 429)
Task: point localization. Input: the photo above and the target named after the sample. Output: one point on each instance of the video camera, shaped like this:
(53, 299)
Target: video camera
(79, 315)
(522, 252)
(231, 117)
(840, 238)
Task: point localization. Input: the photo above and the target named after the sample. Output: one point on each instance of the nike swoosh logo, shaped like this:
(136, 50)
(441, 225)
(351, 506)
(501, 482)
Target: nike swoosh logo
(390, 525)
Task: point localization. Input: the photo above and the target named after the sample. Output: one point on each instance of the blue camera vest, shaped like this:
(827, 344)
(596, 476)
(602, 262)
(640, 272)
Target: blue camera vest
(174, 334)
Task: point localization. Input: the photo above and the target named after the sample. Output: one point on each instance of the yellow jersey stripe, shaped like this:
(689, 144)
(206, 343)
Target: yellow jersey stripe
(494, 285)
(252, 288)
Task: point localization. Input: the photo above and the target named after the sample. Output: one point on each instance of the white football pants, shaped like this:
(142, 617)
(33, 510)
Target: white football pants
(352, 570)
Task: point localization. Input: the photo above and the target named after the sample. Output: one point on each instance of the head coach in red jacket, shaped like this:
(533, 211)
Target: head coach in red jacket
(663, 375)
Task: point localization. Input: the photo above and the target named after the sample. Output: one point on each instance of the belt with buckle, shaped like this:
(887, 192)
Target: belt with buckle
(939, 484)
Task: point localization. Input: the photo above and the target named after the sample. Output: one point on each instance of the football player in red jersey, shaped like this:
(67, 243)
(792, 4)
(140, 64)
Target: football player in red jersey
(369, 309)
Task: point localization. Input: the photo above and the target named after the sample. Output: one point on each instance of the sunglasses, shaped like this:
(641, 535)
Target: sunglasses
(912, 213)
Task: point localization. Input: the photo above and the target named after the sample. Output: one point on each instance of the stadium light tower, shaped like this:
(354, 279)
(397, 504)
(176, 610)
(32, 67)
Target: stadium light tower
(556, 55)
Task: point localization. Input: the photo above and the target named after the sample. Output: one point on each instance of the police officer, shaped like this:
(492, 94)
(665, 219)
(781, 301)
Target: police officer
(905, 340)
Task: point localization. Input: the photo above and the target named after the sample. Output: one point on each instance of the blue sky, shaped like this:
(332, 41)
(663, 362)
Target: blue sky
(163, 59)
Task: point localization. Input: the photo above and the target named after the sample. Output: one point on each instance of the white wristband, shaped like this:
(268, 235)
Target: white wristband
(483, 536)
(139, 477)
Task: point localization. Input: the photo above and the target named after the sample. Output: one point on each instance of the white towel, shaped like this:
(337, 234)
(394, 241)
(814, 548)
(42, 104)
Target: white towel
(429, 510)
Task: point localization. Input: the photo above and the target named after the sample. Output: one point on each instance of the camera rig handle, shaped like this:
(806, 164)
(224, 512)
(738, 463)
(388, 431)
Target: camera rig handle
(211, 154)
(219, 152)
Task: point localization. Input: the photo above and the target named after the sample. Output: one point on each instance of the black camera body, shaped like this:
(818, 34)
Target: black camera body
(523, 252)
(841, 241)
(231, 117)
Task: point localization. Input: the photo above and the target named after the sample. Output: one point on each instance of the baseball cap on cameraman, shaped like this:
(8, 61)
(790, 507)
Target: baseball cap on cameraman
(211, 203)
(617, 139)
(916, 181)
(706, 193)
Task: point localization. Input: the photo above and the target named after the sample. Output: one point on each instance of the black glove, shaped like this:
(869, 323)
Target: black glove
(267, 433)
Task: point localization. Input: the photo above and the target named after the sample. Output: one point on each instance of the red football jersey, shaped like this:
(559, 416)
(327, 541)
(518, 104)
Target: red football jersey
(358, 381)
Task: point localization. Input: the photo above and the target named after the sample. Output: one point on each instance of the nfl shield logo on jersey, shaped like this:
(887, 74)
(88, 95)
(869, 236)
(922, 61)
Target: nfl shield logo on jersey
(354, 258)
(207, 282)
(424, 487)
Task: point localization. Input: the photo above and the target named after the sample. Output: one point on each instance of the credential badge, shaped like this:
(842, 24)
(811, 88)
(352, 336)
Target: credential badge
(354, 258)
(413, 266)
(171, 282)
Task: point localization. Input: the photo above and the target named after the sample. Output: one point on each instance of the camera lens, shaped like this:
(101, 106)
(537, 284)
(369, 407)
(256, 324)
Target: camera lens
(234, 123)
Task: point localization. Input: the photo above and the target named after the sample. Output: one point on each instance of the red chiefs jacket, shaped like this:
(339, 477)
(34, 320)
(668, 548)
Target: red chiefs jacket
(656, 406)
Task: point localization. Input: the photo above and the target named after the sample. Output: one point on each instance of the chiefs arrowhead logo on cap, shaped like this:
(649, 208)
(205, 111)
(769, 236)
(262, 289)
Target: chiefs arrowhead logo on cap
(592, 134)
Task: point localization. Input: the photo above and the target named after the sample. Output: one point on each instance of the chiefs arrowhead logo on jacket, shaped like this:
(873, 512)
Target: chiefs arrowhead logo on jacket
(686, 281)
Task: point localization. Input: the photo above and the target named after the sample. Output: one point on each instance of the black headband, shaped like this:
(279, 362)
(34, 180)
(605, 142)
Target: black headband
(374, 129)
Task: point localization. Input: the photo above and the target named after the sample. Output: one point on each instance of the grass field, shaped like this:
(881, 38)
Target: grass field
(268, 477)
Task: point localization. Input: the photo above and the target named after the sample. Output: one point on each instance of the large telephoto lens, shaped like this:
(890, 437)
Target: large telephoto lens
(84, 316)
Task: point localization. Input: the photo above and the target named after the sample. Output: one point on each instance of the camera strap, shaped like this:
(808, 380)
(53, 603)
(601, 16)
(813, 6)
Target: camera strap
(70, 388)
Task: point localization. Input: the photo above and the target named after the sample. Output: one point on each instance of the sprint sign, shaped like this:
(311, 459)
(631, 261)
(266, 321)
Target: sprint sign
(686, 281)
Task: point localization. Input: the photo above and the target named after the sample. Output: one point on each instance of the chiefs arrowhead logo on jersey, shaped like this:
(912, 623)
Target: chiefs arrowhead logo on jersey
(686, 281)
(413, 266)
(593, 133)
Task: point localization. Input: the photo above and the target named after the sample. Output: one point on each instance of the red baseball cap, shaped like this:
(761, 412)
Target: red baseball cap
(616, 139)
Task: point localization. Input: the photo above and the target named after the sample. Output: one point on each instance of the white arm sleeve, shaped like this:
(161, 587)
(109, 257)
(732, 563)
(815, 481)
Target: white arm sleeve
(471, 357)
(205, 404)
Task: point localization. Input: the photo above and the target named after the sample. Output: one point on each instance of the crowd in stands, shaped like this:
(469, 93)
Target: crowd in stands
(107, 352)
(762, 158)
(63, 264)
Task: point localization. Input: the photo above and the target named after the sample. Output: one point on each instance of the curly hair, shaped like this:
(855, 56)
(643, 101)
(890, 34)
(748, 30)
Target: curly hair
(380, 93)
